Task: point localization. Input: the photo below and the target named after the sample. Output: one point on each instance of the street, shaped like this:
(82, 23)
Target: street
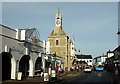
(77, 77)
(95, 77)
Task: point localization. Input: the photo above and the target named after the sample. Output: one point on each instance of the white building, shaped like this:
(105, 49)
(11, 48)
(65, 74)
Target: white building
(47, 47)
(110, 54)
(84, 58)
(21, 52)
(73, 50)
(101, 59)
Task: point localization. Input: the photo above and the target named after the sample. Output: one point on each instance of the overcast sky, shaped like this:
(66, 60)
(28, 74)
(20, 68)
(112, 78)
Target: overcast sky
(94, 24)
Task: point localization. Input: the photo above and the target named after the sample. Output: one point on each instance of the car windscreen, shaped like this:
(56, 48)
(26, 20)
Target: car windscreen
(87, 67)
(100, 66)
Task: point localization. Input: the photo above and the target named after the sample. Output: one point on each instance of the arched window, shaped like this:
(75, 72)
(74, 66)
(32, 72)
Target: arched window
(57, 42)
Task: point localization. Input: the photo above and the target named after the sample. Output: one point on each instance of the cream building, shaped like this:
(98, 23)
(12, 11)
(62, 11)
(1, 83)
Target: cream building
(59, 43)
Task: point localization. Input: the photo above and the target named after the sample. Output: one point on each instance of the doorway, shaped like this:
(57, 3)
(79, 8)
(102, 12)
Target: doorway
(6, 66)
(24, 66)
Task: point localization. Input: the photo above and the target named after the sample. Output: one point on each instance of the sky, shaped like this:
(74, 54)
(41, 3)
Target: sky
(60, 0)
(94, 24)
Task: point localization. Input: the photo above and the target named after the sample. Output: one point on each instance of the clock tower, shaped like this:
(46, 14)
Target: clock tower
(58, 19)
(58, 40)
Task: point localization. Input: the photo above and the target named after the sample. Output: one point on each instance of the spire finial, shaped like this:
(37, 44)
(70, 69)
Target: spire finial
(58, 10)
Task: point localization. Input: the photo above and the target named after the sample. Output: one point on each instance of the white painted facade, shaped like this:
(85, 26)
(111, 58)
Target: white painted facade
(73, 52)
(14, 42)
(47, 47)
(110, 54)
(88, 61)
(103, 59)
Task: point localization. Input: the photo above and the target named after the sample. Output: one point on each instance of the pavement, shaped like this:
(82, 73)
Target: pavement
(59, 77)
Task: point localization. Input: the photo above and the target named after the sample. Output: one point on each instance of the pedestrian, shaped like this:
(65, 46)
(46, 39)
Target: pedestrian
(71, 69)
(59, 70)
(110, 68)
(41, 71)
(77, 68)
(66, 69)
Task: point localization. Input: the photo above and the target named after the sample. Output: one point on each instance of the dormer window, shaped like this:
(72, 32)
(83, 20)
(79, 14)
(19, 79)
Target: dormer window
(57, 42)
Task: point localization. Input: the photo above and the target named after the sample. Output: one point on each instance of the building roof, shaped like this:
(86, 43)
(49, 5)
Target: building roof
(100, 56)
(7, 27)
(118, 49)
(118, 32)
(83, 56)
(109, 51)
(57, 31)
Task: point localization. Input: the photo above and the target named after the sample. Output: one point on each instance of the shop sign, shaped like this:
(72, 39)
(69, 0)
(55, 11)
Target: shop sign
(53, 73)
(34, 49)
(46, 57)
(13, 49)
(46, 77)
(52, 58)
(19, 76)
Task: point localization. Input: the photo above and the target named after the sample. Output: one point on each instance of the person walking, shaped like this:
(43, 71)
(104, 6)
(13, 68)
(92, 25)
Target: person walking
(66, 69)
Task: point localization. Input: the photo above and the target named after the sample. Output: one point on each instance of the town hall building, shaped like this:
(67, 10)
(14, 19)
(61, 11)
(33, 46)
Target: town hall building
(60, 44)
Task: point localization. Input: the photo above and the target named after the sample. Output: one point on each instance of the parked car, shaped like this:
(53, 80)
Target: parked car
(87, 69)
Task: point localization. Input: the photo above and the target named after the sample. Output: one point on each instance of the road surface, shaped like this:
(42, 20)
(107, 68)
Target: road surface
(95, 77)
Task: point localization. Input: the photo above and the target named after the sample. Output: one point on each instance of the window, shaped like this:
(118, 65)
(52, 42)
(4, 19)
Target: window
(57, 42)
(90, 60)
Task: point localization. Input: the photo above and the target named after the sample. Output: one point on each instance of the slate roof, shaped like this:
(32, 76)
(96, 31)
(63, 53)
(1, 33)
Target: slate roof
(83, 56)
(100, 56)
(117, 49)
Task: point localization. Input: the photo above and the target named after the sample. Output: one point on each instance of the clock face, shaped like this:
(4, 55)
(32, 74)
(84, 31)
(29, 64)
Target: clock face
(57, 22)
